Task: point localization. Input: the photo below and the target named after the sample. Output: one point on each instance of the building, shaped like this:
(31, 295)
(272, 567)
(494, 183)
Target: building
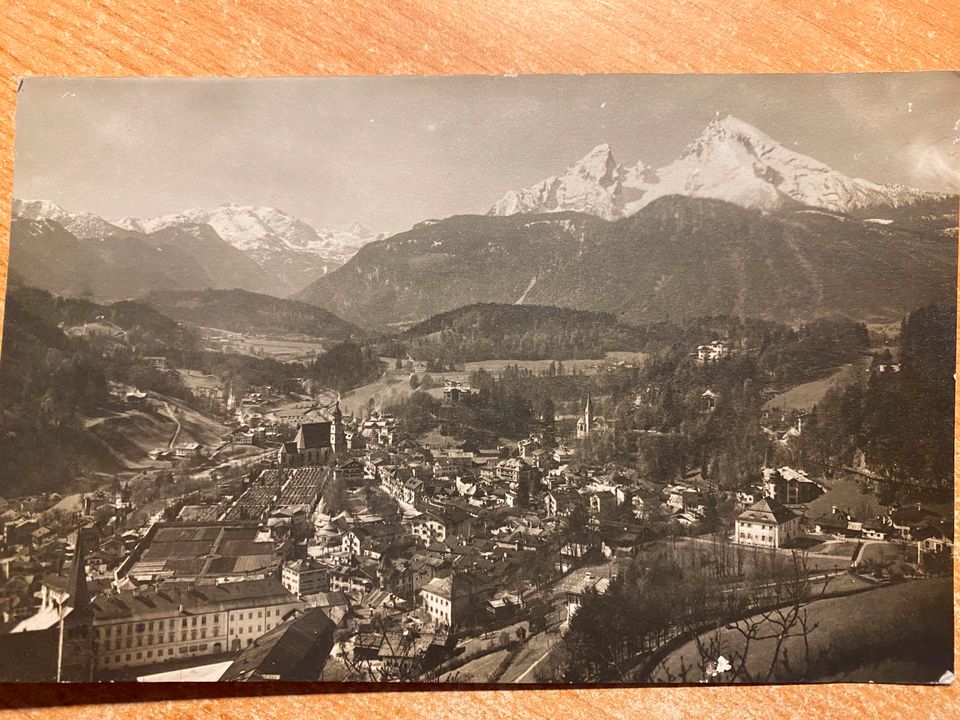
(712, 352)
(515, 470)
(188, 450)
(767, 523)
(447, 600)
(311, 446)
(586, 422)
(338, 436)
(577, 585)
(789, 486)
(295, 650)
(603, 504)
(454, 392)
(304, 577)
(350, 471)
(144, 627)
(202, 553)
(708, 400)
(437, 526)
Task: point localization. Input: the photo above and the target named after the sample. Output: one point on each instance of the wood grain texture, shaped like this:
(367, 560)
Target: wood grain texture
(218, 37)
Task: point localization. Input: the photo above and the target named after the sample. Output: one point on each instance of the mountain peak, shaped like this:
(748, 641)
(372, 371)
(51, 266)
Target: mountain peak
(598, 165)
(730, 160)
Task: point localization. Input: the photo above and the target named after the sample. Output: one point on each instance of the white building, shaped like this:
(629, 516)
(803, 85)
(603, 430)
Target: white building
(304, 577)
(767, 523)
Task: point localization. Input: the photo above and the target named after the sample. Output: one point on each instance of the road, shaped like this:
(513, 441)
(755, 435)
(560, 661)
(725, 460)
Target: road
(533, 666)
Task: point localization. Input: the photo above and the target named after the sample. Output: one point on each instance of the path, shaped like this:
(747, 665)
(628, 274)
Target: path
(173, 416)
(533, 666)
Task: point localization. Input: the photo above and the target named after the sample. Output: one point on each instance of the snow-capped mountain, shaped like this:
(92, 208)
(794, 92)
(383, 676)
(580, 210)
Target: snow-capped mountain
(594, 184)
(280, 243)
(84, 225)
(731, 161)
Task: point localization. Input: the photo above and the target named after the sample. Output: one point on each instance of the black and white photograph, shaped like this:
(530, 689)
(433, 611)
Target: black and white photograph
(560, 379)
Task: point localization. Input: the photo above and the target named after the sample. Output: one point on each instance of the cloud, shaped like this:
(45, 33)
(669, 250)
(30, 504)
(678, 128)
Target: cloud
(938, 167)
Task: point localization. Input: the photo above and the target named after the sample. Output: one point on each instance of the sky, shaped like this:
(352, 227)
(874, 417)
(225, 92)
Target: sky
(392, 151)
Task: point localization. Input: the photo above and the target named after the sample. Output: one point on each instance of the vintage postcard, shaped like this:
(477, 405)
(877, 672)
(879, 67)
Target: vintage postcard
(560, 379)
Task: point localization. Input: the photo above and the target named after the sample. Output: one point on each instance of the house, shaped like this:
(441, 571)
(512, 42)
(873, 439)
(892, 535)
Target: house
(577, 585)
(708, 400)
(368, 539)
(603, 504)
(712, 352)
(767, 523)
(157, 362)
(437, 526)
(454, 392)
(351, 472)
(448, 601)
(304, 577)
(790, 487)
(834, 524)
(558, 503)
(188, 450)
(876, 530)
(515, 470)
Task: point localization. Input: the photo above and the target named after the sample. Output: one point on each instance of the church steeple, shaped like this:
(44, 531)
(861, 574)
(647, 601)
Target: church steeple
(77, 590)
(585, 423)
(338, 435)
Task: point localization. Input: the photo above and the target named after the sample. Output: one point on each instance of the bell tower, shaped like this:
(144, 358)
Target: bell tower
(338, 436)
(75, 641)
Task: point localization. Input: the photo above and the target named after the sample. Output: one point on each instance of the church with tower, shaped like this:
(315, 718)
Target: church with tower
(585, 425)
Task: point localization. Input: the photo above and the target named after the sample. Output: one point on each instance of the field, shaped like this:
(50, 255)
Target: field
(867, 636)
(284, 349)
(395, 384)
(725, 559)
(129, 434)
(805, 396)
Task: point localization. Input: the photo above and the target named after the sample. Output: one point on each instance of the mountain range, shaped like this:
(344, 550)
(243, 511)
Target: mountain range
(284, 246)
(256, 248)
(676, 258)
(738, 224)
(731, 160)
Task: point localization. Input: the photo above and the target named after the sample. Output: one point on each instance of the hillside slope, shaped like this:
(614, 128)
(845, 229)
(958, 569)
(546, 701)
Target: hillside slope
(675, 258)
(242, 311)
(125, 264)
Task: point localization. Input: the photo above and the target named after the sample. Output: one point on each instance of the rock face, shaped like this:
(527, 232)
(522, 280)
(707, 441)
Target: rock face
(731, 161)
(676, 257)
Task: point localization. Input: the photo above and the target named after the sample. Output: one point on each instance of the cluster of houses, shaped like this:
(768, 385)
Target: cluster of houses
(424, 546)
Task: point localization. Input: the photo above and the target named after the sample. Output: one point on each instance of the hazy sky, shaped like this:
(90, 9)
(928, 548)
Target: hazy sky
(393, 151)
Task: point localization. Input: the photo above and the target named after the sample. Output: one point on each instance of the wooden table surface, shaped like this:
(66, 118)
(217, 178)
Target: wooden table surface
(239, 38)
